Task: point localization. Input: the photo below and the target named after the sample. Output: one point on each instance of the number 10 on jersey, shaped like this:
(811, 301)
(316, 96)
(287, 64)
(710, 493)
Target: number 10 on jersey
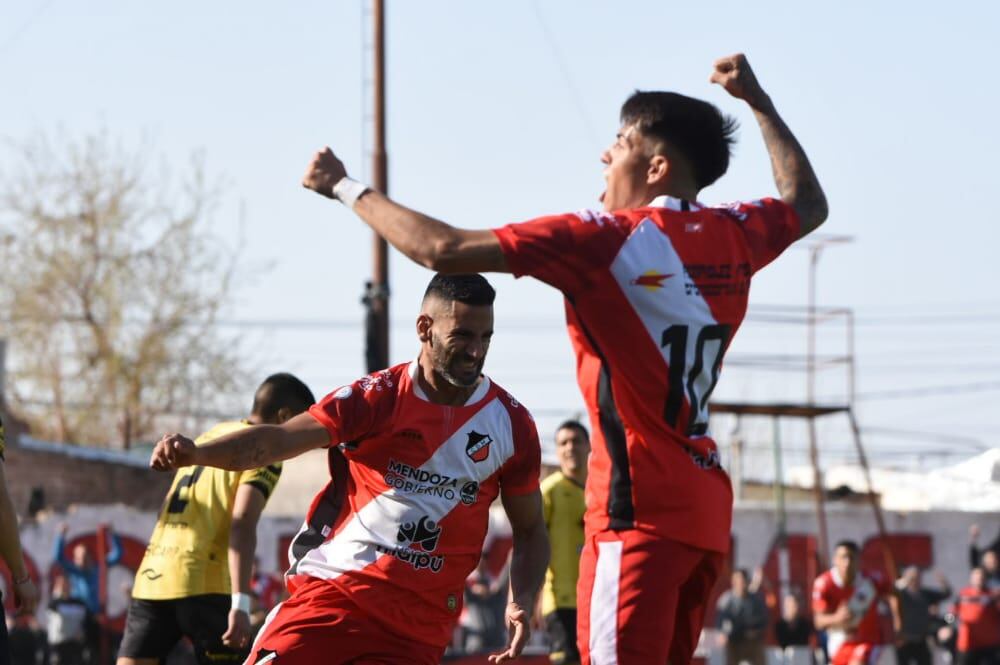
(697, 381)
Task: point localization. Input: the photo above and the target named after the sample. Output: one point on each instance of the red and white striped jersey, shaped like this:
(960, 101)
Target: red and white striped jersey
(401, 523)
(861, 595)
(653, 297)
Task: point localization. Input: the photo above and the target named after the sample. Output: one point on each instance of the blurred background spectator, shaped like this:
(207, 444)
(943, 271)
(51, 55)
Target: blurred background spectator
(792, 629)
(977, 612)
(741, 616)
(915, 605)
(66, 622)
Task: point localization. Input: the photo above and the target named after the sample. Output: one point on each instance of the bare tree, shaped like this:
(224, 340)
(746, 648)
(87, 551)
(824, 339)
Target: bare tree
(110, 287)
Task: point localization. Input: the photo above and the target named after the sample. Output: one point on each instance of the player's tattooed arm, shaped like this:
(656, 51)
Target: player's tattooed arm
(244, 449)
(793, 174)
(425, 240)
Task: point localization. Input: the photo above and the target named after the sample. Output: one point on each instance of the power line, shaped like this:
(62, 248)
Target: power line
(930, 391)
(565, 72)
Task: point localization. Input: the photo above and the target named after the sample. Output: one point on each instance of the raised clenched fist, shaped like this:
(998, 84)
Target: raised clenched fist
(324, 171)
(735, 75)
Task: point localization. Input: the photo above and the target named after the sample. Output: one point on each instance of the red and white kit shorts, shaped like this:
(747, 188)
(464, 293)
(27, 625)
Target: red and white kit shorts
(642, 598)
(856, 652)
(320, 624)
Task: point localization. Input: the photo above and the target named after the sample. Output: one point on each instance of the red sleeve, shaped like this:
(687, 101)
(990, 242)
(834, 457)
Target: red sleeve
(519, 474)
(821, 601)
(770, 226)
(563, 251)
(351, 412)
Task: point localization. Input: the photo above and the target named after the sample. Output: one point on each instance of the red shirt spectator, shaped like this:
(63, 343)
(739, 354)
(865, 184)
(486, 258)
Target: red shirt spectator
(978, 612)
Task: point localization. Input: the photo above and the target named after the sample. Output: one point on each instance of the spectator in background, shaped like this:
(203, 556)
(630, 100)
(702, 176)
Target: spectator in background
(741, 616)
(66, 623)
(978, 613)
(792, 629)
(82, 571)
(83, 575)
(976, 553)
(915, 603)
(991, 569)
(563, 506)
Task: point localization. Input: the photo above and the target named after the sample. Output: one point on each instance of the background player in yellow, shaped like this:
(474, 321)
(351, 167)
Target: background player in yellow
(194, 580)
(563, 506)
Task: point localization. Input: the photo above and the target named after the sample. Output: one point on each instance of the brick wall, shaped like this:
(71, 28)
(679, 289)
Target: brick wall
(69, 477)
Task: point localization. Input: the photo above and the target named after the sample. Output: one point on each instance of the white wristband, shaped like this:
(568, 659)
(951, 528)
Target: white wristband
(348, 191)
(241, 602)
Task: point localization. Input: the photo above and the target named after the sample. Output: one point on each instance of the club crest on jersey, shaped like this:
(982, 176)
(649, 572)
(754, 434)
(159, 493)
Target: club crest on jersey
(478, 448)
(652, 280)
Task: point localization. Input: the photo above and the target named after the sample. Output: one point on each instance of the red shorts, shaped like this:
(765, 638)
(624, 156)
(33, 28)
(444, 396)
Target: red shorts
(320, 624)
(856, 652)
(642, 598)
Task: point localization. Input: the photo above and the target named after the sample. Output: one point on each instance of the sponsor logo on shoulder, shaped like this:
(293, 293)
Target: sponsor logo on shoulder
(598, 217)
(378, 381)
(478, 447)
(343, 393)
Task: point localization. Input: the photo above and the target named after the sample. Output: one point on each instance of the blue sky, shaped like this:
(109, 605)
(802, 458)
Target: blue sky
(498, 113)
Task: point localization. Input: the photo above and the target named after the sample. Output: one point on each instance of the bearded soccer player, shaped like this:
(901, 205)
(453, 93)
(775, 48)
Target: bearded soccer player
(655, 286)
(417, 453)
(845, 605)
(194, 580)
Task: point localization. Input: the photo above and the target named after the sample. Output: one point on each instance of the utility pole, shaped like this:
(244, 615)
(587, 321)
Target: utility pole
(816, 246)
(376, 298)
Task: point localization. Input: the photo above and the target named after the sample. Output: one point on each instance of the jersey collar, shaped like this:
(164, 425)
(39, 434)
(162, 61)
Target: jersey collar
(835, 576)
(680, 205)
(476, 396)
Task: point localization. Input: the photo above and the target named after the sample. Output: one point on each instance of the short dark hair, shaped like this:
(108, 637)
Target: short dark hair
(695, 128)
(742, 572)
(280, 391)
(849, 545)
(468, 289)
(574, 425)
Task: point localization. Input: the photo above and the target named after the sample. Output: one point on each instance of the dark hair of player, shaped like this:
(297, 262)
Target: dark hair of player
(696, 129)
(575, 425)
(849, 545)
(468, 289)
(742, 572)
(278, 391)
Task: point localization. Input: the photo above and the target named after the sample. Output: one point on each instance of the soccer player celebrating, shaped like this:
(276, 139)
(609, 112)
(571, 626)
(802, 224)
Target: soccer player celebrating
(195, 578)
(417, 453)
(563, 505)
(845, 605)
(656, 286)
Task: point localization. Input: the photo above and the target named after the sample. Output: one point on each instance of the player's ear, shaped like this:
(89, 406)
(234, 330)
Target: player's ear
(284, 413)
(658, 169)
(424, 323)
